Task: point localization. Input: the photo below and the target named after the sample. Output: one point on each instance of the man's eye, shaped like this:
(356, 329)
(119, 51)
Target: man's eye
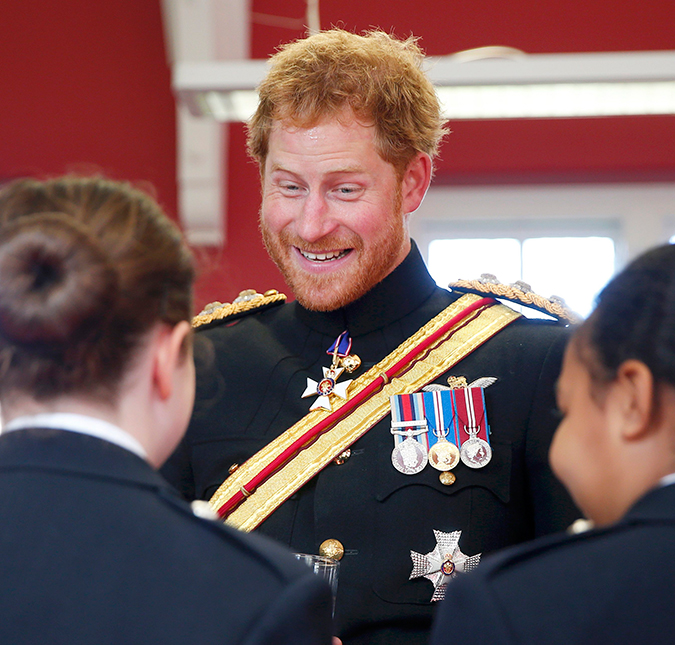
(347, 190)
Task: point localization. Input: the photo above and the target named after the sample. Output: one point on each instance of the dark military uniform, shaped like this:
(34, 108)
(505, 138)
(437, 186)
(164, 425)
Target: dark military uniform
(97, 549)
(612, 586)
(250, 379)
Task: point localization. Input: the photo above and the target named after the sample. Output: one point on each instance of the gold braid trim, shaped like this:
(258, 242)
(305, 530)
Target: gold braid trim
(246, 302)
(463, 339)
(513, 294)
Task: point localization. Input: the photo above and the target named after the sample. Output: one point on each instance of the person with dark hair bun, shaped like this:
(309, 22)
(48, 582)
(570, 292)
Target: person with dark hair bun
(615, 452)
(96, 389)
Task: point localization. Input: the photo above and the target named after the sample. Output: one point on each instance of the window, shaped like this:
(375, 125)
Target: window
(574, 268)
(562, 239)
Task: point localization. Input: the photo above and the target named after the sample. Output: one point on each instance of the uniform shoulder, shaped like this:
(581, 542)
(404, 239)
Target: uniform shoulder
(559, 550)
(216, 540)
(247, 302)
(519, 293)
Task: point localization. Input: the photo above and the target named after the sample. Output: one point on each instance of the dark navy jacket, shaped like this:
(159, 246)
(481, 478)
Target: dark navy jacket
(251, 374)
(96, 549)
(611, 586)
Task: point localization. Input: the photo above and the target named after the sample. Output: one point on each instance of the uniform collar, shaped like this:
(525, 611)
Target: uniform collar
(400, 293)
(83, 424)
(75, 452)
(658, 503)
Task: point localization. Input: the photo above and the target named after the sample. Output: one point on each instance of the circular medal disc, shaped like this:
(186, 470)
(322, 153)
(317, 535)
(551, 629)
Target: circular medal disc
(443, 455)
(475, 453)
(409, 457)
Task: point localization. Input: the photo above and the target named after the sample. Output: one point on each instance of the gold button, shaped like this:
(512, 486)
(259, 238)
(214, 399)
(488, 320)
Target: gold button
(332, 549)
(233, 467)
(270, 292)
(342, 457)
(447, 478)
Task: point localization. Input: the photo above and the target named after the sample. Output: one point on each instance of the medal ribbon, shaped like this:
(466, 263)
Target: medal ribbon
(440, 412)
(471, 414)
(409, 407)
(344, 345)
(429, 340)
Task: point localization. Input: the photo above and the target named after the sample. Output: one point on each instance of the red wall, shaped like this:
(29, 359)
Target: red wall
(86, 84)
(531, 25)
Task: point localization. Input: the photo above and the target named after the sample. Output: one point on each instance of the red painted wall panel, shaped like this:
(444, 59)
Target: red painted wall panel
(446, 26)
(244, 263)
(86, 85)
(559, 150)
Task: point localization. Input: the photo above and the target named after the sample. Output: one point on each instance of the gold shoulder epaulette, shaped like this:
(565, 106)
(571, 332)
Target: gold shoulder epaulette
(519, 293)
(246, 302)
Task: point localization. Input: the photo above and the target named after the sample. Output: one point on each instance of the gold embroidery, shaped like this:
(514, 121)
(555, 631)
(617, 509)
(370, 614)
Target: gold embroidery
(554, 306)
(277, 488)
(247, 301)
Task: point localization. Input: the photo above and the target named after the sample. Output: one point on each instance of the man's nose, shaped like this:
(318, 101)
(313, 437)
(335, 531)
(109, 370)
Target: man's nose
(315, 221)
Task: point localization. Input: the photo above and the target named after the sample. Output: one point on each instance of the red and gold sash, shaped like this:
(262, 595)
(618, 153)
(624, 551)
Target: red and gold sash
(260, 485)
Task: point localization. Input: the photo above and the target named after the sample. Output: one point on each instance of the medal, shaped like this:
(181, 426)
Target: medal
(409, 427)
(441, 426)
(328, 385)
(475, 451)
(325, 387)
(409, 457)
(443, 563)
(443, 454)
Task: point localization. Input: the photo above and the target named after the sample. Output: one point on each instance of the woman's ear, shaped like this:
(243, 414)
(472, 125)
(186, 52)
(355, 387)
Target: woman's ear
(633, 395)
(169, 355)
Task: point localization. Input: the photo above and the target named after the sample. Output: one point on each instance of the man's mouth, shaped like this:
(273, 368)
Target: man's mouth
(329, 256)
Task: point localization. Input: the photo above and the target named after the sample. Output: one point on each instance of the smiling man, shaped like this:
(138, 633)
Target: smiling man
(309, 424)
(334, 214)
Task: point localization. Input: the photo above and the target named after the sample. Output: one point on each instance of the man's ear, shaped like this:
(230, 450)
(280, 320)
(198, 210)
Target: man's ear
(168, 356)
(634, 387)
(415, 182)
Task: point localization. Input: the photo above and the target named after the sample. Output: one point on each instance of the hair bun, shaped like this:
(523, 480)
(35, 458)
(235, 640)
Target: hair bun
(55, 280)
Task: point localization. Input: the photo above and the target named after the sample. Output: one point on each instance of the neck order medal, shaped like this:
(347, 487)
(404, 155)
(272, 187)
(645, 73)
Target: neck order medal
(328, 385)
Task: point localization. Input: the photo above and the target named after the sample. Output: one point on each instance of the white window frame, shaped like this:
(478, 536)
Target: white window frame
(635, 216)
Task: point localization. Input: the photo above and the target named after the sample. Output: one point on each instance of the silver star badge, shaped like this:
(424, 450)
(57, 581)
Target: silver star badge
(326, 387)
(443, 563)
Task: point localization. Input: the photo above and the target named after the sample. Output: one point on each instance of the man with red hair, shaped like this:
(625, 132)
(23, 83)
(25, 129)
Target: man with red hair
(345, 135)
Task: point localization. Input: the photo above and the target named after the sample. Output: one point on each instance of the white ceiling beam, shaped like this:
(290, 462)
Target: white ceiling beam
(201, 32)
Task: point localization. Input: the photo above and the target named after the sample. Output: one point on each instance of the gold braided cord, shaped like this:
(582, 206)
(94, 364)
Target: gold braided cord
(227, 310)
(514, 294)
(464, 338)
